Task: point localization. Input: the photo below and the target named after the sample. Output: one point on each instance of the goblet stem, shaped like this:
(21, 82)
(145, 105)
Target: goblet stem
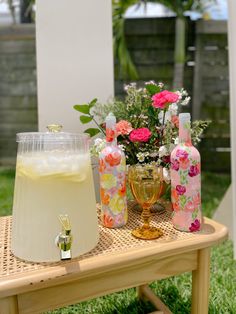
(146, 215)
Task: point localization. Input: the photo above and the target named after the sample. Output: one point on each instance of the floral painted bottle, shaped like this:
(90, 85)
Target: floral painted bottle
(112, 169)
(186, 180)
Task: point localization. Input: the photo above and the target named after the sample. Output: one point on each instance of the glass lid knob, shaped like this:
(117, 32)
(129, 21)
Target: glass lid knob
(54, 128)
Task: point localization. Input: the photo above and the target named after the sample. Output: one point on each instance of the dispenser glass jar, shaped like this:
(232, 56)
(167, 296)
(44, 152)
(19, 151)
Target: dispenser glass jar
(53, 178)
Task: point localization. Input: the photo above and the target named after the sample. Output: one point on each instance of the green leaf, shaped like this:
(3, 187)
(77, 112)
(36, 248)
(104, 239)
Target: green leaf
(93, 102)
(151, 110)
(92, 131)
(152, 89)
(82, 108)
(85, 119)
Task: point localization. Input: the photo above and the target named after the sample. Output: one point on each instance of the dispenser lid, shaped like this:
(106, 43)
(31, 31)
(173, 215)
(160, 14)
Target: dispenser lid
(54, 134)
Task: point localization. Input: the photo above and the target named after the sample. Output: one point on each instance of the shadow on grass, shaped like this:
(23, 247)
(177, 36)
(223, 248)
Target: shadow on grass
(135, 307)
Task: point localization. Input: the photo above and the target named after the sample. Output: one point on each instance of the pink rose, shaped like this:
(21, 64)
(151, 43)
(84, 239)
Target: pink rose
(175, 165)
(181, 189)
(182, 154)
(194, 171)
(195, 226)
(123, 127)
(140, 135)
(160, 100)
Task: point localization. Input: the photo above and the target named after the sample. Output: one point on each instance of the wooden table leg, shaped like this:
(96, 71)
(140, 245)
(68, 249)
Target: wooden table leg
(144, 292)
(201, 283)
(9, 305)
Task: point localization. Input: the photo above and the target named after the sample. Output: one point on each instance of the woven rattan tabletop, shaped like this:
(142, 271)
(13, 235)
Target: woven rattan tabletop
(112, 242)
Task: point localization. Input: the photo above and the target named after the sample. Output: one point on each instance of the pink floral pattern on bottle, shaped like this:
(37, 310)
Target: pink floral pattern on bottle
(112, 169)
(186, 183)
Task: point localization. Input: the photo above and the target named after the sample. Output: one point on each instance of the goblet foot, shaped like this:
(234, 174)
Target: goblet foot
(147, 233)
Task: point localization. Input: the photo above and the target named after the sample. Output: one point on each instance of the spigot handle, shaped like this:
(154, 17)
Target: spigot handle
(65, 222)
(64, 239)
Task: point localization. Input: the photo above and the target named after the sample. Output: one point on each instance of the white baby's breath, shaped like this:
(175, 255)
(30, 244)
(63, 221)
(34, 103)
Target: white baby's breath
(173, 109)
(163, 151)
(166, 175)
(186, 101)
(141, 157)
(176, 141)
(98, 146)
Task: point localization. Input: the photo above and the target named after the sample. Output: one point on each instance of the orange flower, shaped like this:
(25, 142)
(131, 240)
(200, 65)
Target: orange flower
(104, 197)
(174, 195)
(108, 221)
(113, 159)
(184, 163)
(110, 135)
(102, 165)
(122, 191)
(175, 206)
(123, 127)
(175, 121)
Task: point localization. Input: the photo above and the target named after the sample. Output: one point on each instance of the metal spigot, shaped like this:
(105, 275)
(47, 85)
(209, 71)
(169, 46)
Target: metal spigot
(64, 239)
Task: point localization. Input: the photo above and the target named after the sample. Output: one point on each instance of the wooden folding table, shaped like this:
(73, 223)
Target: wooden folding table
(118, 262)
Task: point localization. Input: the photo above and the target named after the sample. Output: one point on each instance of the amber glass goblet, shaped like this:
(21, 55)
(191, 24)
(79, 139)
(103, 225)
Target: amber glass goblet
(146, 185)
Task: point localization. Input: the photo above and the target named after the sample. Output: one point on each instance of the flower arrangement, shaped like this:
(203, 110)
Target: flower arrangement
(147, 123)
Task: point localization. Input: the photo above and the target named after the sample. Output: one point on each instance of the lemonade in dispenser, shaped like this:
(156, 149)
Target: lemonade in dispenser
(54, 208)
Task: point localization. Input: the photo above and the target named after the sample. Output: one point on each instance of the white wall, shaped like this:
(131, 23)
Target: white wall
(232, 69)
(74, 58)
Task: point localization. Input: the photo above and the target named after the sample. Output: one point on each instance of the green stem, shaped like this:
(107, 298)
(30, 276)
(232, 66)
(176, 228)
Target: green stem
(97, 124)
(163, 120)
(162, 128)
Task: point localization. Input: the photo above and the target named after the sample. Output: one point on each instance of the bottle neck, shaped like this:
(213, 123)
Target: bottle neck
(111, 137)
(185, 132)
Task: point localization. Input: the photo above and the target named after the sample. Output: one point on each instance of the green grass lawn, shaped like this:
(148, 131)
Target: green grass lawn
(176, 291)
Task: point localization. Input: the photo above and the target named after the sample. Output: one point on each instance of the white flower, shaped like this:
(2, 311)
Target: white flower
(141, 157)
(133, 84)
(183, 92)
(128, 86)
(150, 83)
(179, 94)
(166, 175)
(122, 147)
(173, 109)
(98, 141)
(167, 116)
(163, 151)
(98, 146)
(176, 141)
(185, 101)
(142, 116)
(161, 85)
(153, 154)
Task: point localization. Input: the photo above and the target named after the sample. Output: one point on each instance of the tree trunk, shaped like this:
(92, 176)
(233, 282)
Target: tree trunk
(25, 16)
(179, 56)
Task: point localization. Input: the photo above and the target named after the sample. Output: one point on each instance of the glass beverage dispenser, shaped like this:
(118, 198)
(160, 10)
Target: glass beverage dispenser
(54, 209)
